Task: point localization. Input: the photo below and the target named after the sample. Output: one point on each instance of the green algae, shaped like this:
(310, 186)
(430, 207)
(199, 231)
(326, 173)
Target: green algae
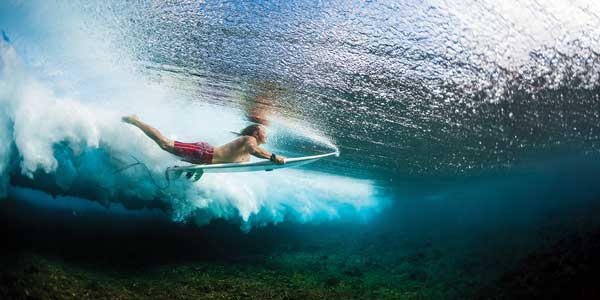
(296, 275)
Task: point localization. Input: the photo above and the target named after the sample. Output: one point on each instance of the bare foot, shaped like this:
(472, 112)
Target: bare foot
(130, 119)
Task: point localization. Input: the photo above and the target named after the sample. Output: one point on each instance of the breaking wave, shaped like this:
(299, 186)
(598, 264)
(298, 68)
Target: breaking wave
(60, 133)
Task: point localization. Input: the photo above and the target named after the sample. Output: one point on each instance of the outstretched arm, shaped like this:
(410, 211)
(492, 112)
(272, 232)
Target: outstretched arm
(259, 152)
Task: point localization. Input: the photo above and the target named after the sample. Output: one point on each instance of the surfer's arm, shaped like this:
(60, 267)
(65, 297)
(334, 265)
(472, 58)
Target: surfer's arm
(259, 152)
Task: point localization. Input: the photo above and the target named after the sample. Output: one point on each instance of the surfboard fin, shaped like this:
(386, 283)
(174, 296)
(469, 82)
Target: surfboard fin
(198, 175)
(194, 175)
(177, 174)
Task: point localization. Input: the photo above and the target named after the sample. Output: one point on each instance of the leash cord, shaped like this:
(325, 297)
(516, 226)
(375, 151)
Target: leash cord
(139, 163)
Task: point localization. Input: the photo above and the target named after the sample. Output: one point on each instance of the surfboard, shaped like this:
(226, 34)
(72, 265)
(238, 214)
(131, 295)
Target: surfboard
(195, 172)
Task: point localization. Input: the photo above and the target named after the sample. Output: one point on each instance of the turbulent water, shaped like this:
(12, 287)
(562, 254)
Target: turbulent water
(406, 90)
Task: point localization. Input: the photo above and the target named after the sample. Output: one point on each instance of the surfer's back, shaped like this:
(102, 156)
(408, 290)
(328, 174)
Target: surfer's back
(234, 151)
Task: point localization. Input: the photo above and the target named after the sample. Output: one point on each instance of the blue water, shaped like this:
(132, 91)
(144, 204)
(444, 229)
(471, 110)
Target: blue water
(471, 125)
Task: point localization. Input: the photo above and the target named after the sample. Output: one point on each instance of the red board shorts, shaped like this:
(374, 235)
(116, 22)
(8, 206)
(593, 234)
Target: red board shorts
(196, 153)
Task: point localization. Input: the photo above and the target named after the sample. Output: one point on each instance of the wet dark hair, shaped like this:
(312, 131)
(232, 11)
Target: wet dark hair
(250, 130)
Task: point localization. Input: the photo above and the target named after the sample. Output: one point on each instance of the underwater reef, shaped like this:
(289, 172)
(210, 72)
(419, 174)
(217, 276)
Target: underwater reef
(567, 269)
(58, 255)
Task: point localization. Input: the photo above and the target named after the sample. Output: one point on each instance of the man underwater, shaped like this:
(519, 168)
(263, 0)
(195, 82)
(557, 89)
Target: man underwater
(238, 150)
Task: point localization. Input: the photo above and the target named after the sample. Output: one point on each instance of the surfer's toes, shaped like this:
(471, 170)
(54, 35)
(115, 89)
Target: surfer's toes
(129, 119)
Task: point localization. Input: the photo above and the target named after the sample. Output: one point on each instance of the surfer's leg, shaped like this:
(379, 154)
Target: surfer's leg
(153, 133)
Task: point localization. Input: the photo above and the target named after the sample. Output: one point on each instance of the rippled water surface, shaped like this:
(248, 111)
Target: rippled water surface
(413, 87)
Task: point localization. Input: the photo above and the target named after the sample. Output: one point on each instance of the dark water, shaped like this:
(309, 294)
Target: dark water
(468, 132)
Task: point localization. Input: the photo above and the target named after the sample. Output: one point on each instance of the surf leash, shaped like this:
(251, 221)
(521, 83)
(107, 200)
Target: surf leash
(140, 163)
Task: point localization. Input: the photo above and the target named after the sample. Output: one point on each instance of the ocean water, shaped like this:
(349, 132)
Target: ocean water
(468, 132)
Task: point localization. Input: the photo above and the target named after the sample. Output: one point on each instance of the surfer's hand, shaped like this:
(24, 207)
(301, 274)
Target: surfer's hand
(280, 160)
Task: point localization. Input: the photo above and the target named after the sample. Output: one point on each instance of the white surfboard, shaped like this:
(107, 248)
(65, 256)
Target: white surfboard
(194, 172)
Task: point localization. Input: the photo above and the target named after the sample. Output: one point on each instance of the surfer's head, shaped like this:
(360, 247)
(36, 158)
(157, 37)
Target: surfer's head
(256, 130)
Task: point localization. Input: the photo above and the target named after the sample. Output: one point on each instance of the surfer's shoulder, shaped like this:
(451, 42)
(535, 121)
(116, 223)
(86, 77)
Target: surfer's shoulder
(248, 140)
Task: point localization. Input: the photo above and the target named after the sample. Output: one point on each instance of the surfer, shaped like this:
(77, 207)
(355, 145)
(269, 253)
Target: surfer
(238, 150)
